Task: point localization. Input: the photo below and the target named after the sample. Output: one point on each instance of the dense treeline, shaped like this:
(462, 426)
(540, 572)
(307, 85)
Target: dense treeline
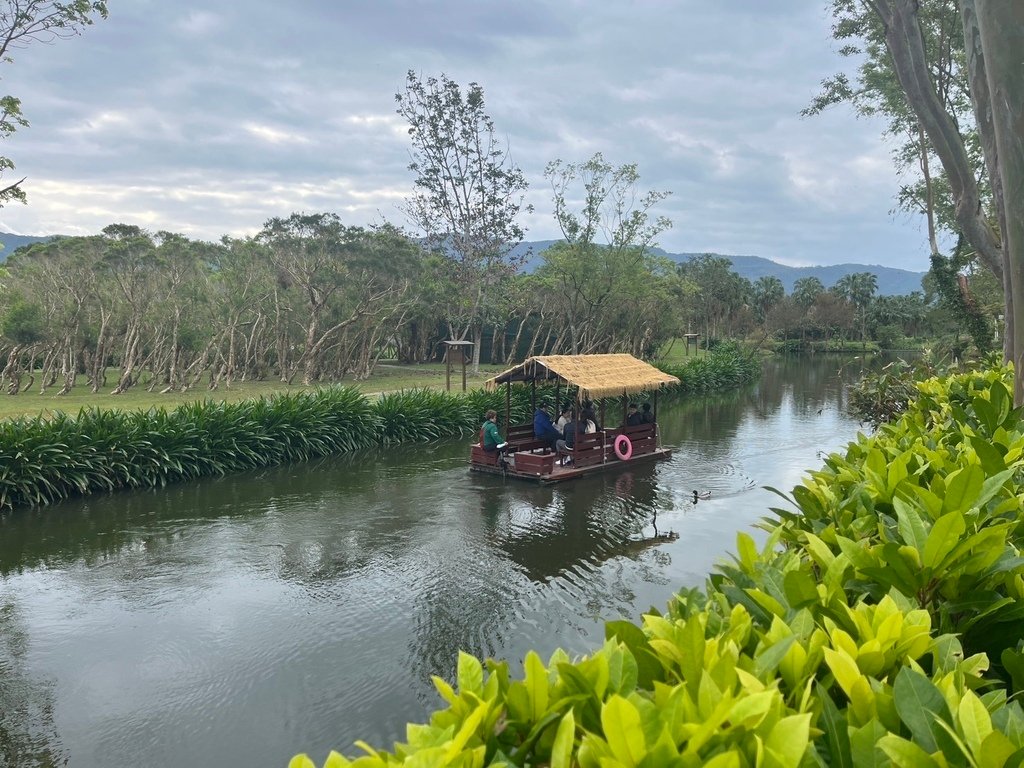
(878, 625)
(308, 299)
(46, 459)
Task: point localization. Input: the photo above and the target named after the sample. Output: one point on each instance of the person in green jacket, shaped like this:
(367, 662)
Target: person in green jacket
(490, 440)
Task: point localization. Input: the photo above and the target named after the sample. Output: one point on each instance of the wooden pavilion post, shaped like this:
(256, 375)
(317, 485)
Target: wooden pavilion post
(447, 368)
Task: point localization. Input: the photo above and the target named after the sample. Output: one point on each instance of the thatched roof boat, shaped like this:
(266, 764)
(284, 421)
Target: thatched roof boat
(594, 377)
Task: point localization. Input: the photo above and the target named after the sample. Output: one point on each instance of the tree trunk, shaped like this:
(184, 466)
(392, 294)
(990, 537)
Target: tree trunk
(478, 338)
(905, 43)
(510, 357)
(1001, 26)
(981, 99)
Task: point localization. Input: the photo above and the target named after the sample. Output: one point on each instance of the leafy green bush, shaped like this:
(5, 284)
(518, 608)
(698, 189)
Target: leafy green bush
(880, 624)
(790, 347)
(727, 367)
(888, 336)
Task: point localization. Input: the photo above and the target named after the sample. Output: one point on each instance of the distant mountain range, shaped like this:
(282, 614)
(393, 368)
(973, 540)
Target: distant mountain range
(891, 282)
(12, 243)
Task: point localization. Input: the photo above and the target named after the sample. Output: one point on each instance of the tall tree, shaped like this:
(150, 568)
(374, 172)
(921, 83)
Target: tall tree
(22, 23)
(992, 35)
(721, 293)
(1001, 43)
(468, 194)
(606, 244)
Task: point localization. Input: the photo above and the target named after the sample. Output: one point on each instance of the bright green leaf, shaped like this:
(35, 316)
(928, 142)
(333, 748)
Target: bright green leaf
(788, 739)
(911, 526)
(975, 722)
(623, 730)
(470, 674)
(962, 488)
(536, 680)
(561, 750)
(905, 754)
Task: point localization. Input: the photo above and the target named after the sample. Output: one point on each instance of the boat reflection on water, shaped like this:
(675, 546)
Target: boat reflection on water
(550, 532)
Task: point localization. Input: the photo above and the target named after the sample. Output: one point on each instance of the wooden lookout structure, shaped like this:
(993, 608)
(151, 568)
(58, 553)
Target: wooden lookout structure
(455, 348)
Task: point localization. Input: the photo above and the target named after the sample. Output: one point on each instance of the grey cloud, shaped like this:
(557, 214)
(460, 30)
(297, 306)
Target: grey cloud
(213, 117)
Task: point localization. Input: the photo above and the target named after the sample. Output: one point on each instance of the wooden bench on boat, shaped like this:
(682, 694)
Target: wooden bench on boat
(594, 377)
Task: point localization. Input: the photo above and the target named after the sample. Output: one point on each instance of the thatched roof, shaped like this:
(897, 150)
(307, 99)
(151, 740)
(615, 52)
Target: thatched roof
(596, 375)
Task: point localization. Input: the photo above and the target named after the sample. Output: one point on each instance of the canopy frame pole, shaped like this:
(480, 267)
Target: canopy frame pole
(657, 430)
(508, 406)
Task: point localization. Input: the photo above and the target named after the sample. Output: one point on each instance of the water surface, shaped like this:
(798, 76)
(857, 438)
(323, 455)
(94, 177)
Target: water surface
(236, 621)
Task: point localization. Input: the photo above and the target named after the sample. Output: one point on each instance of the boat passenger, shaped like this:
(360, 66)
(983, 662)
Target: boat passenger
(543, 429)
(646, 417)
(565, 418)
(590, 415)
(569, 432)
(565, 446)
(490, 440)
(632, 416)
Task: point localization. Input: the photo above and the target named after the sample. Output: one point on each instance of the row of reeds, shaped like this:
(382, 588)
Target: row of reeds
(46, 459)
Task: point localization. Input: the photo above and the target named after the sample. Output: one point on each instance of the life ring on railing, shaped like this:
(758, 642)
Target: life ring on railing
(623, 447)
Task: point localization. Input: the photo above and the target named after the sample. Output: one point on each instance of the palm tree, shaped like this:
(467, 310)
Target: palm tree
(767, 292)
(858, 288)
(806, 290)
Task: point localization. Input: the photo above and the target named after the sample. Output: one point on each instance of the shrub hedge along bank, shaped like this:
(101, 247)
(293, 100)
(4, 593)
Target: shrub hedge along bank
(43, 460)
(879, 625)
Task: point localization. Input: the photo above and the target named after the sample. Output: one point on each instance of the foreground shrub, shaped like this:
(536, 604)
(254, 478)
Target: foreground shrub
(880, 624)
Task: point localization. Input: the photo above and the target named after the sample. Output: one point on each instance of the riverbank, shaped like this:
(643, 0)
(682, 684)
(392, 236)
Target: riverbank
(49, 458)
(880, 621)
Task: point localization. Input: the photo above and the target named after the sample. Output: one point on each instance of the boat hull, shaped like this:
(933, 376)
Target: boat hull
(540, 472)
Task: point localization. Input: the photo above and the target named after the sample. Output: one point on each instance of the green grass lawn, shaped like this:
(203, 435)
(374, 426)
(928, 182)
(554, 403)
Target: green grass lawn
(675, 353)
(387, 378)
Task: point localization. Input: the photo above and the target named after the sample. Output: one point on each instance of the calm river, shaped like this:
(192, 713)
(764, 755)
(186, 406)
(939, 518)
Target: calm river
(239, 620)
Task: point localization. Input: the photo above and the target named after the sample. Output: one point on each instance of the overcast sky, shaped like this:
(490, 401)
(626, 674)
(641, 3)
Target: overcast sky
(209, 118)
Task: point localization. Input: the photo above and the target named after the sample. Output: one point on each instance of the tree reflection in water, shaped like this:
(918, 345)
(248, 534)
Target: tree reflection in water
(28, 733)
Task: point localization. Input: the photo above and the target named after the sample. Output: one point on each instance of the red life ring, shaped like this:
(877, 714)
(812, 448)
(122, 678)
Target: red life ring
(623, 448)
